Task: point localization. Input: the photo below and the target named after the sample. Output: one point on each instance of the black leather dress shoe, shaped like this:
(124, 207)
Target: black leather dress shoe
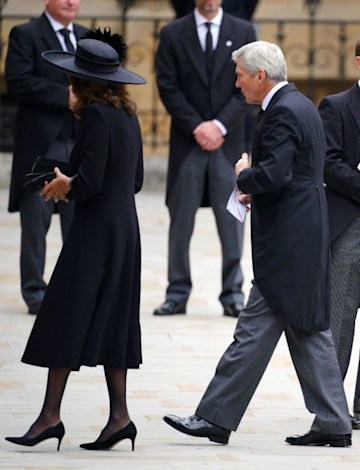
(233, 310)
(170, 307)
(355, 421)
(313, 438)
(198, 427)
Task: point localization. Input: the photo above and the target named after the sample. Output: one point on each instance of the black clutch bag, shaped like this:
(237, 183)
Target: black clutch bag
(43, 170)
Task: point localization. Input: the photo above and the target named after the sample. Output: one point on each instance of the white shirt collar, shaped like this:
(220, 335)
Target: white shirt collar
(359, 83)
(200, 20)
(271, 93)
(56, 25)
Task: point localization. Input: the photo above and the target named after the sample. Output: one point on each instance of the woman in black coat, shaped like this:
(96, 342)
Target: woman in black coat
(90, 313)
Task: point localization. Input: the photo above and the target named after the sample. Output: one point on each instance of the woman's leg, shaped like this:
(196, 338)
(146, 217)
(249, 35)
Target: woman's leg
(118, 415)
(50, 413)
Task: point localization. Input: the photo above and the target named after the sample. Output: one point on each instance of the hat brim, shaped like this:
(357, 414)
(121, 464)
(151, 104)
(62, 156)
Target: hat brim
(66, 61)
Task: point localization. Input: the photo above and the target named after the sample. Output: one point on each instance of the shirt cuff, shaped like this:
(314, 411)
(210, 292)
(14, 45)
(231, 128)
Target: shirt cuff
(221, 126)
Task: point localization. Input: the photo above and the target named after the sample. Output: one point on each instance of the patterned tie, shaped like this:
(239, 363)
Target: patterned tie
(209, 49)
(69, 45)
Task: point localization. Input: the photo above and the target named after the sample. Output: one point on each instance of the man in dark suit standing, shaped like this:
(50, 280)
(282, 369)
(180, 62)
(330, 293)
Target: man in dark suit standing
(195, 77)
(341, 117)
(242, 8)
(290, 252)
(44, 126)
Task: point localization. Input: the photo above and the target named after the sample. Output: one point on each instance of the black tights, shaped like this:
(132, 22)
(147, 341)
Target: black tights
(118, 414)
(57, 378)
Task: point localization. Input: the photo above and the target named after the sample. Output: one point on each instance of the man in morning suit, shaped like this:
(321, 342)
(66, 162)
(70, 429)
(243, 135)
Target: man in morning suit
(290, 252)
(44, 126)
(341, 117)
(195, 77)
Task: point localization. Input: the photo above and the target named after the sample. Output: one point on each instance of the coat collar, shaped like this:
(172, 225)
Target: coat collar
(285, 89)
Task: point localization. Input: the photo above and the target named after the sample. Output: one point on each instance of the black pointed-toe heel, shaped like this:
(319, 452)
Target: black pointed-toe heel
(129, 432)
(57, 432)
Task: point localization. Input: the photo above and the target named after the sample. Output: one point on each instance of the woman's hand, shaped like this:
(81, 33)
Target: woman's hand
(58, 188)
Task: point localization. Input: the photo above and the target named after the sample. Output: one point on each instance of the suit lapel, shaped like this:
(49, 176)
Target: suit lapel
(354, 103)
(193, 49)
(48, 34)
(225, 46)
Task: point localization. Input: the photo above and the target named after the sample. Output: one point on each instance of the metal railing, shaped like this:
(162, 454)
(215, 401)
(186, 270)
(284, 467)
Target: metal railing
(319, 55)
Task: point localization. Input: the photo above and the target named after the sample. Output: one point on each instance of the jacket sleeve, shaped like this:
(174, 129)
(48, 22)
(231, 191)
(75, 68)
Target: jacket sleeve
(338, 174)
(22, 77)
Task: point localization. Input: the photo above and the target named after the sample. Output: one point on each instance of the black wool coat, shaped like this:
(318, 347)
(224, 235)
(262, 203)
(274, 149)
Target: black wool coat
(289, 223)
(90, 312)
(42, 95)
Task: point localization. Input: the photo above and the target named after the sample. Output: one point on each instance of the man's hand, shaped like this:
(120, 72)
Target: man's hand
(245, 199)
(208, 136)
(242, 163)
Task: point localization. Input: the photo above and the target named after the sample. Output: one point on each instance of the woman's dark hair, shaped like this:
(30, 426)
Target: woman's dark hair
(89, 91)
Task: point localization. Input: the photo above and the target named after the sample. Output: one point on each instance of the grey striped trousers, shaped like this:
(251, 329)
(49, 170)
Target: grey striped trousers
(241, 367)
(345, 295)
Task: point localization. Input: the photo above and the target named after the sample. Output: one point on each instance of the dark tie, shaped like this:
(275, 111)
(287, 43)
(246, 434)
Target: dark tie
(69, 45)
(209, 48)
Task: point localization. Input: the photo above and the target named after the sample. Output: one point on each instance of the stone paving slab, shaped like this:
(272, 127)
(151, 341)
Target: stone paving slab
(180, 355)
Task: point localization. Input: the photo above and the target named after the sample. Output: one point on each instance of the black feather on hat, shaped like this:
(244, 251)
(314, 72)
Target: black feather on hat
(115, 40)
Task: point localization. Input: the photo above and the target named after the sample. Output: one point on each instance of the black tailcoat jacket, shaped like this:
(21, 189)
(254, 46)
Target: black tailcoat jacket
(289, 223)
(341, 117)
(190, 96)
(42, 94)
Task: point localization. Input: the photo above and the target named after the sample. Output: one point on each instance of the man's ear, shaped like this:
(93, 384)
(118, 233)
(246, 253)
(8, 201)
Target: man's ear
(261, 75)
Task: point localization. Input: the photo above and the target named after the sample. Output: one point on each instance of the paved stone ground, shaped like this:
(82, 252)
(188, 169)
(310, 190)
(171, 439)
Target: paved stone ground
(180, 355)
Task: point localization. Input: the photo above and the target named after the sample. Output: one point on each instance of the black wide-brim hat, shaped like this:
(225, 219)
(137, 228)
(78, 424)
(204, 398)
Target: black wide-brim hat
(93, 60)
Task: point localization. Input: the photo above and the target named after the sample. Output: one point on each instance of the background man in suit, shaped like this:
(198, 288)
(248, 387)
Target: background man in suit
(44, 126)
(341, 117)
(290, 258)
(195, 77)
(241, 8)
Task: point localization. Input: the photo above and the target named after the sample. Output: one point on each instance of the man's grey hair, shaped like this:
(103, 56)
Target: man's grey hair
(262, 55)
